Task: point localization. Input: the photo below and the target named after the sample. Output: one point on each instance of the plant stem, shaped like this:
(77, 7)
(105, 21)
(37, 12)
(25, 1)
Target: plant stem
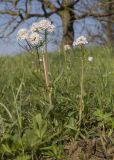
(81, 91)
(38, 57)
(46, 70)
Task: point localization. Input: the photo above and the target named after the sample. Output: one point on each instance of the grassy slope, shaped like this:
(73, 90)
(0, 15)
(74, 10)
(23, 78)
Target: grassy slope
(23, 94)
(98, 79)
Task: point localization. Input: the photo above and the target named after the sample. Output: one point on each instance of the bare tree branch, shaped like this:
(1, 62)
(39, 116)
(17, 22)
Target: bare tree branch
(68, 10)
(95, 15)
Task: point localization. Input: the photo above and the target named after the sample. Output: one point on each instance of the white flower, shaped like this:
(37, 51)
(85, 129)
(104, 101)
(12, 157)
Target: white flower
(34, 27)
(22, 34)
(34, 38)
(80, 41)
(40, 59)
(51, 28)
(67, 47)
(90, 59)
(43, 25)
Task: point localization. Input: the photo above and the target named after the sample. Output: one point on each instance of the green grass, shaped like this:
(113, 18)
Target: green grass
(29, 127)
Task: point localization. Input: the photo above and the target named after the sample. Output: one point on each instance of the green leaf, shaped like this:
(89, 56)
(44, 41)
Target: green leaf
(71, 124)
(59, 77)
(24, 157)
(6, 148)
(43, 130)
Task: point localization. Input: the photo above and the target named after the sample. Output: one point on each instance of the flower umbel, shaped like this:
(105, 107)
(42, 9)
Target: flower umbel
(90, 59)
(34, 38)
(43, 25)
(80, 41)
(67, 47)
(22, 34)
(34, 27)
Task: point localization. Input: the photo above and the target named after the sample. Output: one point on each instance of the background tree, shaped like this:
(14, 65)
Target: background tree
(18, 11)
(110, 20)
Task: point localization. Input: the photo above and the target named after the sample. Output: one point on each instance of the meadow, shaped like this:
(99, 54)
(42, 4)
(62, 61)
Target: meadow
(31, 129)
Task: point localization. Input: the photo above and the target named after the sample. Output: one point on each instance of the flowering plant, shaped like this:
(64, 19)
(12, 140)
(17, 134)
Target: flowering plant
(67, 47)
(34, 36)
(37, 38)
(43, 25)
(80, 41)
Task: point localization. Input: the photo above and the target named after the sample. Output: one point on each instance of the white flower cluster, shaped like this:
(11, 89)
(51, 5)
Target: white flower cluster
(80, 41)
(90, 59)
(43, 25)
(67, 47)
(22, 34)
(33, 35)
(34, 38)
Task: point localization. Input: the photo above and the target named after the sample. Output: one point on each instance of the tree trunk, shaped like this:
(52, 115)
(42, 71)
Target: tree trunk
(110, 23)
(67, 17)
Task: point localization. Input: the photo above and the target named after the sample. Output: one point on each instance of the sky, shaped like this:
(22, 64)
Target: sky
(11, 46)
